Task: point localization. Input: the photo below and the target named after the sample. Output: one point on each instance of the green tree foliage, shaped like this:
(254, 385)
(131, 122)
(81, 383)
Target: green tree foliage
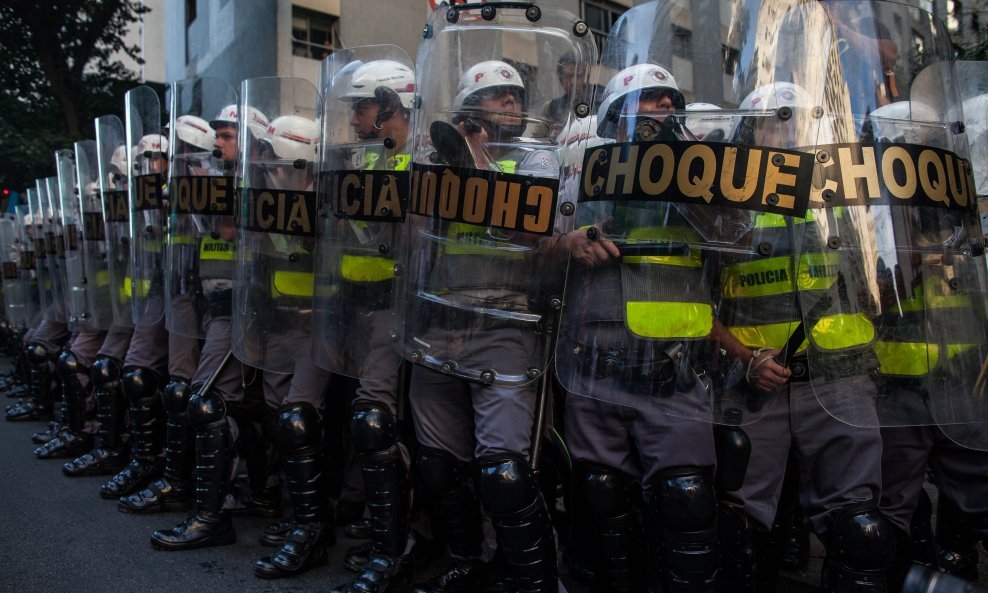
(58, 71)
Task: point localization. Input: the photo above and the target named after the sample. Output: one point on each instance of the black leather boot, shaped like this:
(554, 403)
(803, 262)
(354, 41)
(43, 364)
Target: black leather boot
(71, 441)
(110, 453)
(300, 436)
(209, 524)
(142, 388)
(618, 534)
(173, 490)
(38, 404)
(387, 491)
(524, 532)
(956, 542)
(445, 484)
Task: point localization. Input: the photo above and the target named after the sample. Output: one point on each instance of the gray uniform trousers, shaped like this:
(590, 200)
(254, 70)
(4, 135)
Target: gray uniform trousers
(839, 464)
(149, 348)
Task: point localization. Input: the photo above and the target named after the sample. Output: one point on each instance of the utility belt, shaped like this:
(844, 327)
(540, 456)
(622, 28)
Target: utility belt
(368, 296)
(649, 368)
(828, 365)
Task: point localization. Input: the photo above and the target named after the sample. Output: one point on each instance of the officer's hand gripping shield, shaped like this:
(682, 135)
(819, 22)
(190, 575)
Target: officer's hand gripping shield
(682, 261)
(482, 279)
(202, 203)
(94, 286)
(272, 299)
(893, 277)
(147, 170)
(364, 186)
(111, 147)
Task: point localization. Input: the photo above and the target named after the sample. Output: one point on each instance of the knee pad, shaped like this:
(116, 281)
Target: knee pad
(862, 539)
(105, 370)
(439, 472)
(68, 364)
(373, 428)
(507, 484)
(299, 428)
(175, 397)
(607, 490)
(36, 354)
(206, 410)
(683, 499)
(140, 384)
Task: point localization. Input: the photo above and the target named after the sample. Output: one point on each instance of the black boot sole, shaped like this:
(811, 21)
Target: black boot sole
(223, 539)
(166, 506)
(272, 571)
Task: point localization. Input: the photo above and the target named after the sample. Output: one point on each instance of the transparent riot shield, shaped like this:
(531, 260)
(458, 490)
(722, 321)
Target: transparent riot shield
(681, 277)
(482, 276)
(111, 146)
(14, 288)
(272, 306)
(50, 286)
(95, 284)
(147, 170)
(27, 261)
(367, 99)
(202, 203)
(893, 310)
(70, 256)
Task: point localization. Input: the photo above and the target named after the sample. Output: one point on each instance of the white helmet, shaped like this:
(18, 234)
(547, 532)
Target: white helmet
(293, 137)
(635, 79)
(257, 122)
(152, 143)
(119, 158)
(894, 122)
(369, 78)
(195, 131)
(706, 126)
(775, 96)
(487, 75)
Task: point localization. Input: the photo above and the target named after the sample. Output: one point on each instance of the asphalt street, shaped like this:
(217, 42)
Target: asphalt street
(59, 536)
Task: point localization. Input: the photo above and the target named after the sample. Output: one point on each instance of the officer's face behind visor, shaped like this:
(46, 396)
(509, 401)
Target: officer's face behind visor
(281, 173)
(226, 142)
(152, 162)
(501, 105)
(364, 118)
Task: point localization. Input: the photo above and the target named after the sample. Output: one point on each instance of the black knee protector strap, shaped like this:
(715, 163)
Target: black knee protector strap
(373, 428)
(36, 353)
(299, 428)
(861, 538)
(507, 484)
(105, 370)
(140, 384)
(206, 410)
(175, 397)
(440, 472)
(683, 499)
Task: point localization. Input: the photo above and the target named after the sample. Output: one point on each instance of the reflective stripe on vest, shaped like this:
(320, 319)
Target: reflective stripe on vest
(666, 319)
(909, 358)
(103, 278)
(296, 284)
(371, 268)
(128, 288)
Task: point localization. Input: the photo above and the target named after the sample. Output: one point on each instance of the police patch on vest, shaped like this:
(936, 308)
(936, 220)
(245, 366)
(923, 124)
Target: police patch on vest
(485, 198)
(145, 190)
(892, 175)
(115, 206)
(370, 195)
(749, 177)
(95, 230)
(9, 270)
(284, 212)
(202, 195)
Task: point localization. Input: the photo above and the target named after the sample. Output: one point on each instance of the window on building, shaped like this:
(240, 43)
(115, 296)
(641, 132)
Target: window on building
(600, 16)
(731, 57)
(681, 42)
(314, 34)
